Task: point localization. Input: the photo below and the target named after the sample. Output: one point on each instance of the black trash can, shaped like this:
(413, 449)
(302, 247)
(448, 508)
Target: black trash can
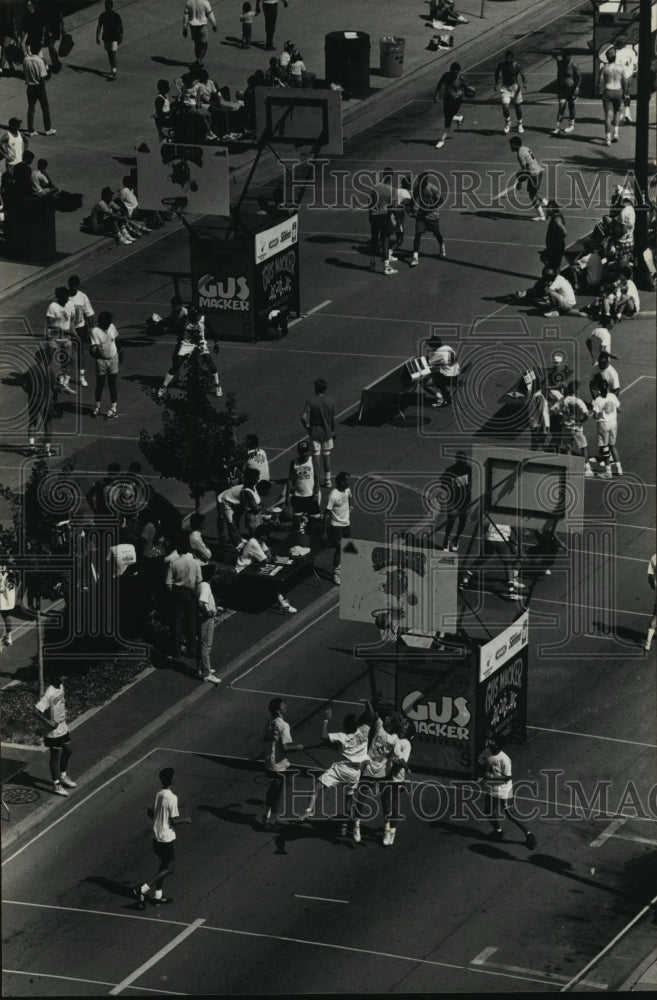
(30, 229)
(347, 60)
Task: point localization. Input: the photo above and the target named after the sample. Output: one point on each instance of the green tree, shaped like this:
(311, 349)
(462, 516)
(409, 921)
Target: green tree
(198, 442)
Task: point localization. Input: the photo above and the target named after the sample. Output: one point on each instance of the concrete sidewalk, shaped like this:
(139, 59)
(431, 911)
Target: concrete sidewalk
(99, 125)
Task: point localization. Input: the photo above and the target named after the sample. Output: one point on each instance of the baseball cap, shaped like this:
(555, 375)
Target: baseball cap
(15, 122)
(303, 446)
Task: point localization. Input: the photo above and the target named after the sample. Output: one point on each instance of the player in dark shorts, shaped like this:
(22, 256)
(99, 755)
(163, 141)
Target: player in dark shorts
(427, 199)
(165, 817)
(452, 86)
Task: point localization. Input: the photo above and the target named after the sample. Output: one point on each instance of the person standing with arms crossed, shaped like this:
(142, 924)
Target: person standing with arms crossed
(196, 16)
(278, 738)
(51, 710)
(513, 80)
(497, 776)
(110, 31)
(165, 817)
(613, 86)
(318, 420)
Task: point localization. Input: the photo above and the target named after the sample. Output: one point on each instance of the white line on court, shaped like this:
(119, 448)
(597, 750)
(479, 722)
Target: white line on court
(156, 957)
(91, 982)
(286, 694)
(481, 960)
(593, 736)
(635, 840)
(321, 899)
(621, 934)
(608, 832)
(310, 312)
(626, 388)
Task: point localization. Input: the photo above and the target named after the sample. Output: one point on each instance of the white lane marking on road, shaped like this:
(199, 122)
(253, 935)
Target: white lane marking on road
(331, 354)
(591, 607)
(593, 736)
(154, 959)
(310, 312)
(321, 899)
(634, 840)
(286, 643)
(626, 388)
(608, 832)
(621, 934)
(76, 806)
(301, 697)
(92, 982)
(482, 956)
(480, 960)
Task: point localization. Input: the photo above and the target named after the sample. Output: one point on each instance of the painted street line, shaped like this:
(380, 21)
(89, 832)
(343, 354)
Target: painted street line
(321, 899)
(481, 960)
(634, 840)
(156, 957)
(91, 982)
(310, 312)
(608, 832)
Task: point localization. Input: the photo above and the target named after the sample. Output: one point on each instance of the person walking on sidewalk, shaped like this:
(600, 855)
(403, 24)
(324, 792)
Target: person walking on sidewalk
(612, 88)
(450, 88)
(337, 522)
(653, 621)
(60, 319)
(36, 74)
(51, 710)
(318, 420)
(270, 11)
(109, 30)
(7, 601)
(84, 315)
(427, 200)
(207, 617)
(106, 353)
(278, 738)
(196, 15)
(165, 818)
(568, 82)
(513, 80)
(497, 776)
(531, 174)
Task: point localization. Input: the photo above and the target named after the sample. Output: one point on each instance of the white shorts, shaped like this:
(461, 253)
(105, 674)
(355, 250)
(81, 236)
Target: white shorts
(607, 434)
(321, 447)
(186, 348)
(341, 773)
(511, 95)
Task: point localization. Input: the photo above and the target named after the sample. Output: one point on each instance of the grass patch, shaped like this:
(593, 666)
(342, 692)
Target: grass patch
(84, 689)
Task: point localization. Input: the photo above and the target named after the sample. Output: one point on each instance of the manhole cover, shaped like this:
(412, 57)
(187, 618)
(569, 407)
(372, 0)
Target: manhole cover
(18, 796)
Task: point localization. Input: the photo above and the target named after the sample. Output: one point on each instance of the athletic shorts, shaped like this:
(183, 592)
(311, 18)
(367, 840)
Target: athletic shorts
(184, 349)
(336, 532)
(229, 510)
(341, 773)
(380, 225)
(57, 742)
(606, 434)
(321, 447)
(423, 225)
(305, 505)
(107, 366)
(165, 851)
(111, 46)
(612, 100)
(511, 95)
(199, 32)
(576, 436)
(451, 106)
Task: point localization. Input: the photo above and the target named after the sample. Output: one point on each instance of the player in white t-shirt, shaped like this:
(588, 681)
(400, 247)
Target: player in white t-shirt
(278, 738)
(383, 775)
(497, 777)
(500, 539)
(337, 521)
(51, 709)
(192, 339)
(605, 409)
(165, 817)
(60, 325)
(599, 342)
(345, 773)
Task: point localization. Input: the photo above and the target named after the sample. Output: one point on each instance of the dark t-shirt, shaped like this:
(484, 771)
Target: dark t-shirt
(453, 85)
(319, 415)
(509, 73)
(111, 26)
(458, 485)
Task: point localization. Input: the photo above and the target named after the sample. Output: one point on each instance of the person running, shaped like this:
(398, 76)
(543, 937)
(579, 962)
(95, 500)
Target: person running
(612, 88)
(381, 202)
(165, 818)
(345, 773)
(60, 321)
(531, 174)
(207, 618)
(572, 413)
(427, 199)
(337, 520)
(568, 83)
(104, 349)
(513, 80)
(497, 776)
(192, 339)
(653, 621)
(606, 406)
(302, 488)
(51, 710)
(278, 738)
(318, 420)
(109, 30)
(450, 88)
(457, 482)
(83, 321)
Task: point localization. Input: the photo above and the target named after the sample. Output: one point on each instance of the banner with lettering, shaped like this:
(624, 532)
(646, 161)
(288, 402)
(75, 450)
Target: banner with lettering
(502, 688)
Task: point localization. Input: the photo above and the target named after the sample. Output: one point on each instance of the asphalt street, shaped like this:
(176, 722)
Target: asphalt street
(445, 910)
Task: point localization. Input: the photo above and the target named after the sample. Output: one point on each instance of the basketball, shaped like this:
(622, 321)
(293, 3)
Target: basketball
(469, 91)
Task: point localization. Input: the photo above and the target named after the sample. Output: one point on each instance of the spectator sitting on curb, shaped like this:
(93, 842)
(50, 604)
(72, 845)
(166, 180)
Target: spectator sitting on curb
(106, 218)
(552, 294)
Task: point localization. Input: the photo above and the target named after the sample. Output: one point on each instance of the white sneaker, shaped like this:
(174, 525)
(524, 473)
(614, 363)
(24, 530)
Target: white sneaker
(9, 639)
(111, 414)
(386, 837)
(336, 578)
(160, 393)
(58, 790)
(588, 471)
(517, 585)
(647, 643)
(414, 261)
(619, 469)
(96, 410)
(557, 130)
(607, 140)
(507, 128)
(443, 250)
(212, 679)
(606, 472)
(390, 270)
(520, 128)
(440, 144)
(392, 260)
(218, 392)
(356, 833)
(83, 382)
(391, 836)
(569, 128)
(67, 782)
(627, 117)
(286, 606)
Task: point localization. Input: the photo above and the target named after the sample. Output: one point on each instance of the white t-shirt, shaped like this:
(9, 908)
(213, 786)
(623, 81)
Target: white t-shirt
(609, 374)
(164, 810)
(338, 505)
(251, 552)
(129, 199)
(60, 318)
(443, 359)
(600, 340)
(562, 286)
(231, 495)
(53, 705)
(382, 746)
(82, 305)
(106, 339)
(121, 556)
(14, 146)
(354, 745)
(633, 293)
(498, 532)
(205, 596)
(605, 409)
(257, 459)
(498, 765)
(401, 749)
(277, 734)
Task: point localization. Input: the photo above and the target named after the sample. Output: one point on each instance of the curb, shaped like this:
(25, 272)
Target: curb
(350, 115)
(261, 649)
(639, 972)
